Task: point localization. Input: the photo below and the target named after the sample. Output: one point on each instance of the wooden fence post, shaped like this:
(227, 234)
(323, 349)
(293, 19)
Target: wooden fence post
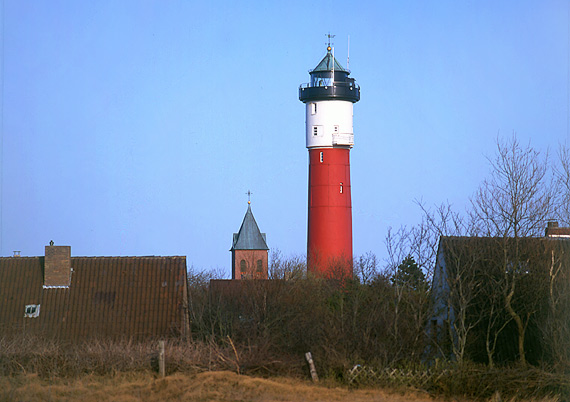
(161, 362)
(314, 375)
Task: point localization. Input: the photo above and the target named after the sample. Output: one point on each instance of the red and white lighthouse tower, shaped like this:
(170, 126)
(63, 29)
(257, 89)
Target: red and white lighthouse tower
(329, 99)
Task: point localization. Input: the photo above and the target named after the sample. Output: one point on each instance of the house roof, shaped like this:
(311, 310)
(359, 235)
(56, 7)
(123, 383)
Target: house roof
(326, 64)
(481, 253)
(110, 297)
(249, 236)
(475, 276)
(468, 242)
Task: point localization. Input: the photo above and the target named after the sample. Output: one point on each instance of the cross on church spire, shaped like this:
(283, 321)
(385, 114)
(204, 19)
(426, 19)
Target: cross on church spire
(249, 193)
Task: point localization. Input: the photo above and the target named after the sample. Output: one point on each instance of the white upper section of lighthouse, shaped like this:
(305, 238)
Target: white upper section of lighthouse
(329, 123)
(329, 99)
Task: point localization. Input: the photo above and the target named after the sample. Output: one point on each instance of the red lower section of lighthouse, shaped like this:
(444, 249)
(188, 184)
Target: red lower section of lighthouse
(329, 239)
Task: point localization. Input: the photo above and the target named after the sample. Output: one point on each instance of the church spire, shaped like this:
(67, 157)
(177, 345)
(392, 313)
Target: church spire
(249, 237)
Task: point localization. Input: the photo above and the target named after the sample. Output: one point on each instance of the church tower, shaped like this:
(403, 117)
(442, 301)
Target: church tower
(249, 250)
(329, 99)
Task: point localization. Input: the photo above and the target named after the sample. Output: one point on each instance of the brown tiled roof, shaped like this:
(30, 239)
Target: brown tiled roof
(108, 297)
(557, 232)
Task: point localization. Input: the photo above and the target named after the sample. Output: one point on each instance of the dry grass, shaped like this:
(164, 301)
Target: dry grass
(470, 380)
(50, 359)
(36, 369)
(207, 386)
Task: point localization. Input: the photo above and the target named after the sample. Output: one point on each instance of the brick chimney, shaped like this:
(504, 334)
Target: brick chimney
(57, 268)
(552, 230)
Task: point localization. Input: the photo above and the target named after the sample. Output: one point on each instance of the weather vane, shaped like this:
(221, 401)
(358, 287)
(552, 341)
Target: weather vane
(249, 193)
(329, 43)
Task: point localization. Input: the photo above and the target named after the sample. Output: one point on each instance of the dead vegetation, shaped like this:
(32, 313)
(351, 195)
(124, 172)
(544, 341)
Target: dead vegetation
(51, 359)
(36, 369)
(206, 386)
(476, 381)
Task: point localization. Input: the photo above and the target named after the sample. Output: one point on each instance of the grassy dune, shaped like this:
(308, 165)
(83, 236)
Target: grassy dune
(207, 386)
(32, 369)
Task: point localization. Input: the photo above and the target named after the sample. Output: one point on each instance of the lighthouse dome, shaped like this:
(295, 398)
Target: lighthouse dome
(327, 64)
(329, 80)
(322, 74)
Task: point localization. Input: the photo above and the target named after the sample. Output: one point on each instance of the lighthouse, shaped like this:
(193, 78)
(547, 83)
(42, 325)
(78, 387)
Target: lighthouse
(329, 98)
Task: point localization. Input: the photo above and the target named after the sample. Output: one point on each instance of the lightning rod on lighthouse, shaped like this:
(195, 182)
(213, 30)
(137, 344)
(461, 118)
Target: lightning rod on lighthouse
(329, 98)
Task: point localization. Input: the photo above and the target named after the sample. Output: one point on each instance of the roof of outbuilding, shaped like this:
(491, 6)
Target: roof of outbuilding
(108, 297)
(249, 236)
(326, 64)
(483, 252)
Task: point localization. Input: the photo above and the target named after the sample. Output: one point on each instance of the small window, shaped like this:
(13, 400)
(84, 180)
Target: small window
(242, 266)
(259, 266)
(32, 310)
(315, 130)
(313, 108)
(321, 157)
(341, 187)
(336, 129)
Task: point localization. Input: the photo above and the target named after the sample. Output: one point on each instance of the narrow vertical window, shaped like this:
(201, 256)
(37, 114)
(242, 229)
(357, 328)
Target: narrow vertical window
(434, 330)
(341, 187)
(321, 157)
(313, 108)
(259, 266)
(446, 336)
(242, 266)
(315, 130)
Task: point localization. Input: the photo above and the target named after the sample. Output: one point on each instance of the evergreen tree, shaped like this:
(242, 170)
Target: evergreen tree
(409, 275)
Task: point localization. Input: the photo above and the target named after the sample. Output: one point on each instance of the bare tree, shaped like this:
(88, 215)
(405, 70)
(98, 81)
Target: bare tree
(397, 245)
(366, 268)
(412, 304)
(461, 281)
(463, 260)
(515, 202)
(562, 172)
(493, 312)
(291, 268)
(556, 327)
(519, 196)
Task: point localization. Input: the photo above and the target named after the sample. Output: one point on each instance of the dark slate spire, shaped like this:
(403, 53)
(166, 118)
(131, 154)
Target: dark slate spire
(249, 237)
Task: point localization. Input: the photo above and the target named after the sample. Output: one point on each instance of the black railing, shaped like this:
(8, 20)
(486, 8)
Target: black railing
(340, 91)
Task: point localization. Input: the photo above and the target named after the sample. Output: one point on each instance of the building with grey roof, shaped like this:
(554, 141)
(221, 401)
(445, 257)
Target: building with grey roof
(249, 250)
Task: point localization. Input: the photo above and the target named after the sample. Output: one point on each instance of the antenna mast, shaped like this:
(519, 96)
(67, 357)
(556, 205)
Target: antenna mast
(348, 54)
(332, 80)
(329, 48)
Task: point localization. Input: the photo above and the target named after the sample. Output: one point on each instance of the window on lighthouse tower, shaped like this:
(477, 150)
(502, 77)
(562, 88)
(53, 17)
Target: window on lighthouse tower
(341, 187)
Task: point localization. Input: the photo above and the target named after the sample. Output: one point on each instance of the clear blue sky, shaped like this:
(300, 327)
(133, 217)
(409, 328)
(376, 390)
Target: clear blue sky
(136, 127)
